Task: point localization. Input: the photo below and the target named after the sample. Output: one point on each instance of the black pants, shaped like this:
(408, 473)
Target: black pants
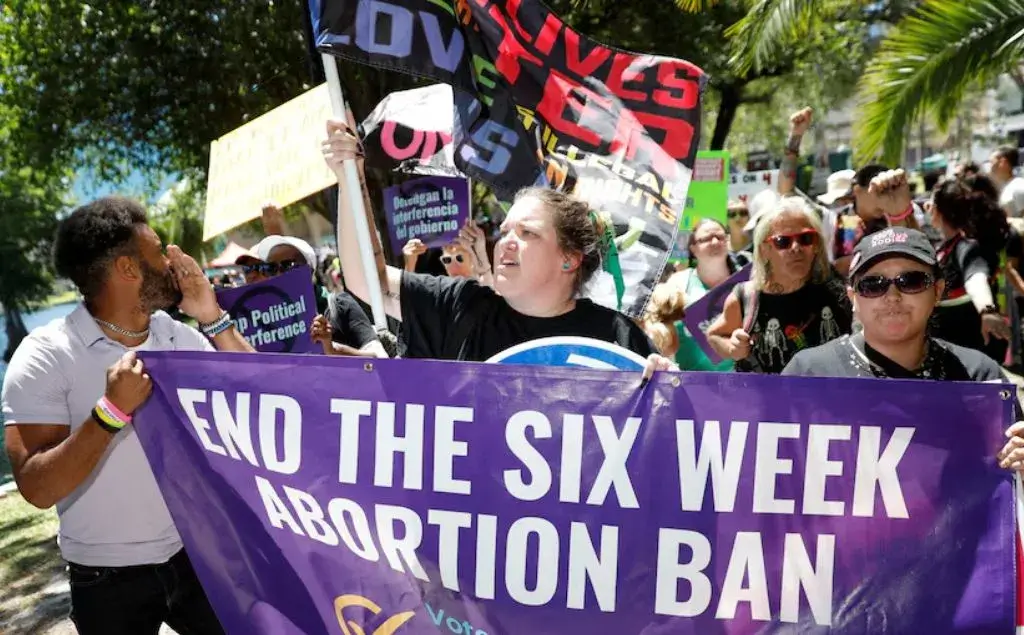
(137, 600)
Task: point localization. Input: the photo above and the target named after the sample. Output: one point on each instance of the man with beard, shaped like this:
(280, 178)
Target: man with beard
(68, 399)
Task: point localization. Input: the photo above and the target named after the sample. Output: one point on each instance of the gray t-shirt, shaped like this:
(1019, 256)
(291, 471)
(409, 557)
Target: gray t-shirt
(116, 517)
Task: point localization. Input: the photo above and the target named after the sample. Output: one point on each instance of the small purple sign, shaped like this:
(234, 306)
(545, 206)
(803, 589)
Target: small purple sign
(431, 208)
(275, 315)
(700, 314)
(325, 496)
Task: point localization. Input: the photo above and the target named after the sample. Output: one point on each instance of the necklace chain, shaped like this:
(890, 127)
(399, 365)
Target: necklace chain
(122, 331)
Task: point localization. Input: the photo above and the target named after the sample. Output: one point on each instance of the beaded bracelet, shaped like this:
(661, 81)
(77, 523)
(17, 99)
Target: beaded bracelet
(218, 326)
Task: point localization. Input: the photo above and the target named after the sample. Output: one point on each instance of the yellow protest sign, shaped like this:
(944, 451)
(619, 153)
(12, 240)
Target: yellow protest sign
(275, 158)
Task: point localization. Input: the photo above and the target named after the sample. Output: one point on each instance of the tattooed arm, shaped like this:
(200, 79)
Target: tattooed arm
(799, 122)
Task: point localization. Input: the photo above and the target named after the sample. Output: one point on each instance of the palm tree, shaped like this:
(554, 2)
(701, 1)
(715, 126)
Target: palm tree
(930, 62)
(936, 52)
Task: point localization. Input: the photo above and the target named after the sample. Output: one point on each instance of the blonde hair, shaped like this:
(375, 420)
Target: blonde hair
(667, 306)
(820, 268)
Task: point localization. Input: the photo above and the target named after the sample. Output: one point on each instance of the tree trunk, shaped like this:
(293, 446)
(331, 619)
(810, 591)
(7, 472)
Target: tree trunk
(731, 97)
(15, 326)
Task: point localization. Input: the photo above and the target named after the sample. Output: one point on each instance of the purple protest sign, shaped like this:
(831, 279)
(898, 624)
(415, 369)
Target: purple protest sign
(700, 314)
(431, 208)
(275, 314)
(414, 497)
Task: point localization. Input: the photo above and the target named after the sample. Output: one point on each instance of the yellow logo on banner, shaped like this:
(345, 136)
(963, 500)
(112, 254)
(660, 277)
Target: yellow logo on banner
(389, 627)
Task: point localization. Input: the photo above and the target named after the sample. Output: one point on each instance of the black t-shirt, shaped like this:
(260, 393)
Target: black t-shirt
(458, 319)
(851, 356)
(787, 323)
(349, 323)
(959, 259)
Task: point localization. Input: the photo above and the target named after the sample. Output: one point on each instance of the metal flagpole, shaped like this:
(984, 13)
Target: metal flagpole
(353, 189)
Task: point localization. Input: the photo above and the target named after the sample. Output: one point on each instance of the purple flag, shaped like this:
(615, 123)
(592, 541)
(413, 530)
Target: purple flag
(275, 314)
(406, 497)
(431, 208)
(700, 314)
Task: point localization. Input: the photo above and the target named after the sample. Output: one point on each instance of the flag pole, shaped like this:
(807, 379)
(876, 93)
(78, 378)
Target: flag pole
(354, 191)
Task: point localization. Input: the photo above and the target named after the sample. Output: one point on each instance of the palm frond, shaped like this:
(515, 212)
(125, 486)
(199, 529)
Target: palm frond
(760, 34)
(928, 63)
(696, 6)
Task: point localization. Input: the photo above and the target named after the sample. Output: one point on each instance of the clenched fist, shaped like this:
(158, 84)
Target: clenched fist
(128, 385)
(739, 345)
(800, 122)
(891, 192)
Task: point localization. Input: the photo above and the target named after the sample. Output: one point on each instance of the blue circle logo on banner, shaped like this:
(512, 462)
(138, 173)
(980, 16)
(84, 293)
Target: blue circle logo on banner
(571, 351)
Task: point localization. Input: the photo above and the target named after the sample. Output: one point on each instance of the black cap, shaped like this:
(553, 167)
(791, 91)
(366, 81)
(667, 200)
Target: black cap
(892, 241)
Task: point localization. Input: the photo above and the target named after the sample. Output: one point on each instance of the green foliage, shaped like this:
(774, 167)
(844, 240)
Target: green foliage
(29, 204)
(125, 85)
(930, 62)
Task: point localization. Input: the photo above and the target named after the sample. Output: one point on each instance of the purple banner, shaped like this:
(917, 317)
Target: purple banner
(275, 315)
(700, 314)
(322, 495)
(431, 208)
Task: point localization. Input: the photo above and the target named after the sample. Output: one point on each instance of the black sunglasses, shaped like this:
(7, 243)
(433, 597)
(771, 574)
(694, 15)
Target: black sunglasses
(738, 214)
(909, 282)
(447, 259)
(270, 268)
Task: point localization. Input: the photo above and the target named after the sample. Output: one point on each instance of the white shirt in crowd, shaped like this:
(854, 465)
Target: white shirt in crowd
(1011, 199)
(117, 517)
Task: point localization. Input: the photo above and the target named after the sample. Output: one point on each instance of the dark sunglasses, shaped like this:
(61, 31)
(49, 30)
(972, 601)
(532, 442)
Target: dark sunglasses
(270, 268)
(782, 242)
(738, 214)
(909, 282)
(446, 259)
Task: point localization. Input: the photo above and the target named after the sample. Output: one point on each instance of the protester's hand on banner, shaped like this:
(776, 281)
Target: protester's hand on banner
(273, 220)
(658, 362)
(411, 253)
(322, 333)
(800, 122)
(739, 345)
(891, 191)
(1011, 457)
(342, 144)
(128, 384)
(198, 298)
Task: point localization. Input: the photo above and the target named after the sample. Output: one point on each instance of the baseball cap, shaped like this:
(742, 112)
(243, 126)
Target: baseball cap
(892, 241)
(265, 246)
(247, 258)
(839, 185)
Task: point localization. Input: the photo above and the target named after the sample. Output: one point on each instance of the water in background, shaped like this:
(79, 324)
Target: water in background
(33, 321)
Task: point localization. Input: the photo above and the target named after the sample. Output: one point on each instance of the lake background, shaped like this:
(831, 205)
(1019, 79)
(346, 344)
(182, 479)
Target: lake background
(32, 321)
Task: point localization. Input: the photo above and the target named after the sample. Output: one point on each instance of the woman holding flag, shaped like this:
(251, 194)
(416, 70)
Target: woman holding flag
(551, 245)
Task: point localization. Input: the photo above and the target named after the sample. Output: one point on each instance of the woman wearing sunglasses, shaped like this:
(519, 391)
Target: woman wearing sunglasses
(792, 300)
(895, 286)
(711, 264)
(550, 247)
(466, 257)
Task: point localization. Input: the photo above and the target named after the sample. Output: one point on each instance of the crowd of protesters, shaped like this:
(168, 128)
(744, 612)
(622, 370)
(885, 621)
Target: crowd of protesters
(866, 283)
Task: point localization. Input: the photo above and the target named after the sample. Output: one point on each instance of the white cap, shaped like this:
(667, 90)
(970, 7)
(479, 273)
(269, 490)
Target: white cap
(264, 247)
(759, 206)
(839, 185)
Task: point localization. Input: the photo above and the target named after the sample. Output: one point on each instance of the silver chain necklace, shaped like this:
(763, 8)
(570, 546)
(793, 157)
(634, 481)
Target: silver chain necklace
(122, 331)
